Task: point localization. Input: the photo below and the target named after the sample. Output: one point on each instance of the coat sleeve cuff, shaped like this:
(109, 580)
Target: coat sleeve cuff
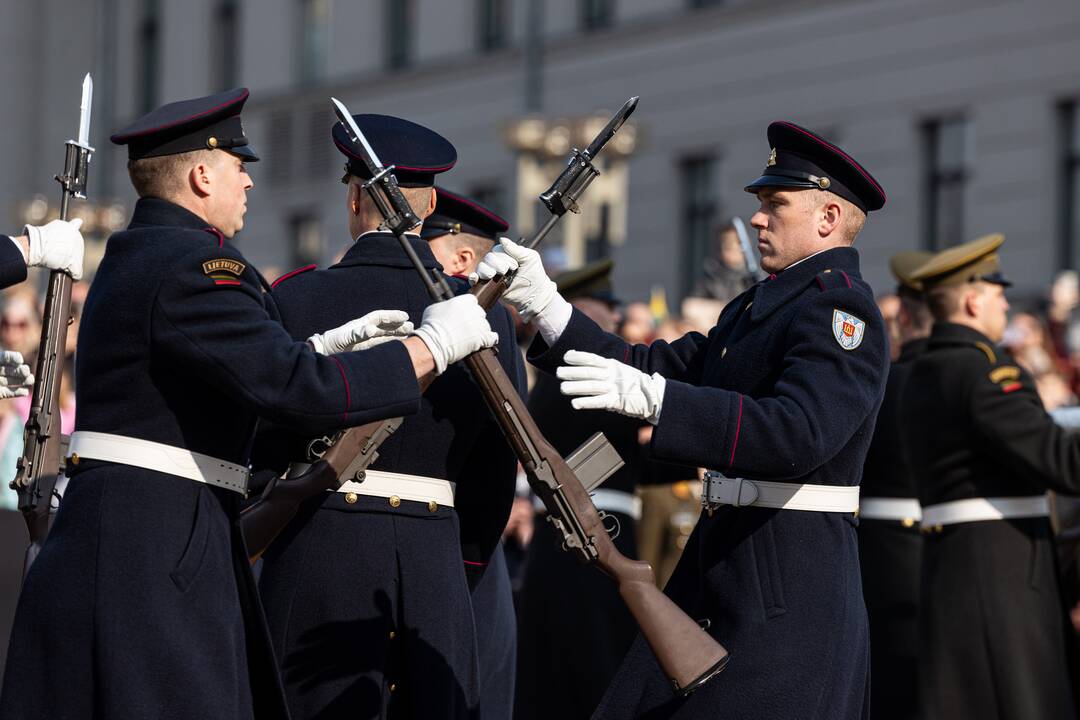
(698, 426)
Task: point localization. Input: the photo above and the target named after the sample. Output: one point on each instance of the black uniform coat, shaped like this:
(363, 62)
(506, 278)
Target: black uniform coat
(141, 603)
(12, 264)
(345, 576)
(890, 553)
(574, 628)
(770, 394)
(992, 620)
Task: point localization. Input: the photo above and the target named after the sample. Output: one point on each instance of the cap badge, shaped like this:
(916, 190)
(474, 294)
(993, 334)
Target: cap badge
(772, 158)
(847, 329)
(212, 142)
(824, 183)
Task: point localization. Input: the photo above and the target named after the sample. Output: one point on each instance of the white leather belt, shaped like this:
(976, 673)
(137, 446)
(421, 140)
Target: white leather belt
(905, 510)
(607, 500)
(718, 490)
(398, 486)
(979, 509)
(160, 457)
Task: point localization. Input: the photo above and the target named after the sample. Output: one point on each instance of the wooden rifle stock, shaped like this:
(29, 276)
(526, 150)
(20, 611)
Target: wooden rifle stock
(688, 655)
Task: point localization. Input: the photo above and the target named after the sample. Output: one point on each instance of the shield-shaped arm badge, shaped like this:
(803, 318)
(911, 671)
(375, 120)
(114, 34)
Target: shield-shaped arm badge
(847, 329)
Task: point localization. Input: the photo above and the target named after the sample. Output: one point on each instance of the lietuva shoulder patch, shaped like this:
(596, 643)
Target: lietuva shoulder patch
(833, 280)
(1005, 373)
(292, 274)
(224, 271)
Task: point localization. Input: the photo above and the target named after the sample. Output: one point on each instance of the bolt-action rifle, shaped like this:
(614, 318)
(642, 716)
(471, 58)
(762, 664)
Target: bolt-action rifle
(688, 655)
(348, 454)
(39, 466)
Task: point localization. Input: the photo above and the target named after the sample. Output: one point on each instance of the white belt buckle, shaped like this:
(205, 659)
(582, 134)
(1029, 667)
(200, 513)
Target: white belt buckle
(719, 490)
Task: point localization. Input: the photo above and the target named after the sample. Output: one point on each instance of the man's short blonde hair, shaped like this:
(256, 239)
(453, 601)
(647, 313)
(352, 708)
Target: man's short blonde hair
(165, 176)
(852, 218)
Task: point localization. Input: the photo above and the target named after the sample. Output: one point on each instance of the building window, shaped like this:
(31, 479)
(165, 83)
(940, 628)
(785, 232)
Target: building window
(597, 14)
(149, 55)
(307, 239)
(278, 155)
(699, 191)
(225, 69)
(492, 23)
(705, 3)
(1069, 200)
(399, 14)
(947, 161)
(314, 40)
(598, 233)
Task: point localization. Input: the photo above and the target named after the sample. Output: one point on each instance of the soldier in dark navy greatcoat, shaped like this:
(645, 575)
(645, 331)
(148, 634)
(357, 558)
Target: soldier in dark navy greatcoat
(141, 603)
(890, 542)
(459, 232)
(779, 401)
(367, 594)
(993, 625)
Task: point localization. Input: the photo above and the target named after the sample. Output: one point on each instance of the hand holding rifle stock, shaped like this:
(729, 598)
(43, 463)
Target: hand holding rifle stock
(686, 653)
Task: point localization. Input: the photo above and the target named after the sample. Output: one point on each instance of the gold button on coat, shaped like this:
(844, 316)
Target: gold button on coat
(350, 498)
(432, 506)
(394, 501)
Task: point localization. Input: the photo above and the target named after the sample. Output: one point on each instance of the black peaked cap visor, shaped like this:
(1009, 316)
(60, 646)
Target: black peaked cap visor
(456, 213)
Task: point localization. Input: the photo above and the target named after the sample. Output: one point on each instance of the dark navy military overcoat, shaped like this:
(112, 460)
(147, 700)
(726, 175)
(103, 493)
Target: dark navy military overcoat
(12, 264)
(141, 603)
(363, 597)
(770, 394)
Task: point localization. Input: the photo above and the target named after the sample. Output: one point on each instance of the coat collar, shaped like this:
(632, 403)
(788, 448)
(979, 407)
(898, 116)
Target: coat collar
(150, 211)
(947, 334)
(382, 248)
(775, 291)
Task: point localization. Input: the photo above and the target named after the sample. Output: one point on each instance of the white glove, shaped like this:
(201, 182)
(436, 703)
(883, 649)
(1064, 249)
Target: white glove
(454, 328)
(598, 383)
(531, 291)
(57, 245)
(15, 377)
(371, 329)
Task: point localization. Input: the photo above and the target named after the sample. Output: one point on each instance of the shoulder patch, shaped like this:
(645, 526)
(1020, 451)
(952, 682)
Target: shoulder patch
(224, 271)
(291, 274)
(848, 329)
(1004, 374)
(987, 350)
(223, 265)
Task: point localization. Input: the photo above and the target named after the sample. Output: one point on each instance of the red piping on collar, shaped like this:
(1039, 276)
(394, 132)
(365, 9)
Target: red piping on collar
(291, 273)
(846, 278)
(220, 236)
(212, 110)
(474, 564)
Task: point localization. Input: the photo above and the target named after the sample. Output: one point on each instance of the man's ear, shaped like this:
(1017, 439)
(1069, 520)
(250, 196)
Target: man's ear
(830, 215)
(353, 198)
(201, 179)
(467, 257)
(432, 197)
(972, 302)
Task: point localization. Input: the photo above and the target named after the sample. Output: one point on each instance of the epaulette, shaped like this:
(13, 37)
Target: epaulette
(987, 350)
(292, 274)
(832, 280)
